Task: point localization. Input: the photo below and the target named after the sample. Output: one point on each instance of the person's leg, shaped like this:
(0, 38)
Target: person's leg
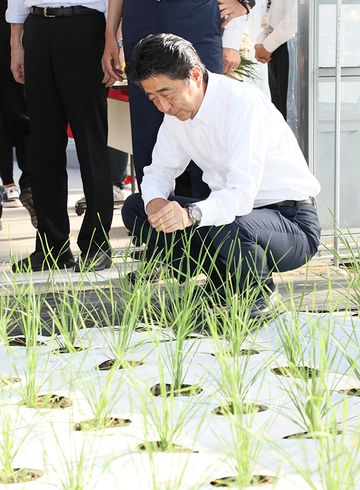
(78, 43)
(48, 138)
(278, 72)
(118, 162)
(6, 158)
(266, 240)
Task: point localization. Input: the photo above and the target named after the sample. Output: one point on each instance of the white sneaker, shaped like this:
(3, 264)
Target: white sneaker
(11, 197)
(119, 197)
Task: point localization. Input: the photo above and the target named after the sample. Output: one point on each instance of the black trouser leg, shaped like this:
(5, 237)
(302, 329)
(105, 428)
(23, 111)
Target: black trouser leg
(6, 158)
(48, 138)
(14, 132)
(118, 163)
(22, 157)
(278, 71)
(250, 248)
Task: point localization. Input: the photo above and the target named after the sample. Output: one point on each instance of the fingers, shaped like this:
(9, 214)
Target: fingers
(18, 73)
(108, 80)
(111, 65)
(229, 68)
(168, 219)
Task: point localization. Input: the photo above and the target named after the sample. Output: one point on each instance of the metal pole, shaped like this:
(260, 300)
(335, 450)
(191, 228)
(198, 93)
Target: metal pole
(337, 190)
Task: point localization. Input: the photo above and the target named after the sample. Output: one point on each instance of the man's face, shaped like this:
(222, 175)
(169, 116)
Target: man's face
(179, 98)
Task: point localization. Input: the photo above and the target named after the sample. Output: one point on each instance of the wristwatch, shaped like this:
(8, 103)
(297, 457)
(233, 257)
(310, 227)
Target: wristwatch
(195, 214)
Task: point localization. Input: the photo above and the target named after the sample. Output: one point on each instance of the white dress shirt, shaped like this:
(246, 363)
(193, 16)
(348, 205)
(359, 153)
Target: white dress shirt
(279, 24)
(18, 10)
(248, 153)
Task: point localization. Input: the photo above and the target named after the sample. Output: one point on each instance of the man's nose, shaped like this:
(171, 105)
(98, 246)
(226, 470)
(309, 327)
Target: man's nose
(164, 104)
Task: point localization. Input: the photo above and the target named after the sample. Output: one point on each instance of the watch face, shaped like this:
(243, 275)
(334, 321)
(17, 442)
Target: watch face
(195, 213)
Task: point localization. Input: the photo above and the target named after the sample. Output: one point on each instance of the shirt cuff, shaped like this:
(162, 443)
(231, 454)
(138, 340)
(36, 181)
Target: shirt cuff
(150, 194)
(271, 43)
(234, 32)
(260, 39)
(212, 214)
(16, 17)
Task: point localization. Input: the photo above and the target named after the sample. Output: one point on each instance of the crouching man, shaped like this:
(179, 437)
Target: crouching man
(260, 213)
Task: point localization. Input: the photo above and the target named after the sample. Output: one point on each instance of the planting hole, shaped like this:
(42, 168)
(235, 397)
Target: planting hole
(242, 352)
(245, 408)
(232, 481)
(21, 342)
(20, 475)
(312, 435)
(8, 380)
(146, 328)
(52, 401)
(296, 371)
(108, 364)
(108, 423)
(184, 390)
(65, 350)
(351, 392)
(163, 446)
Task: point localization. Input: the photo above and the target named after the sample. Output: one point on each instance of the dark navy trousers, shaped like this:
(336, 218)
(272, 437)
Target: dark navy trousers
(198, 21)
(278, 74)
(250, 248)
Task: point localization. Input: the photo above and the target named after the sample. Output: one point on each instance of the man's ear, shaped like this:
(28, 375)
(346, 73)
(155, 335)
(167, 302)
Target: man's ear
(197, 75)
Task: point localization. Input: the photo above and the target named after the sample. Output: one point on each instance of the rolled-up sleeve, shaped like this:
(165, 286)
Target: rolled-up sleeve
(16, 12)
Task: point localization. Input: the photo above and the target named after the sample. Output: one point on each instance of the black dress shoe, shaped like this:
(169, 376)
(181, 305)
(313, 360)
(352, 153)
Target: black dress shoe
(38, 261)
(96, 260)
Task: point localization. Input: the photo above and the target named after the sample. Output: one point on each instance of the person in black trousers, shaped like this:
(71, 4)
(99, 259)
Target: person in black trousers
(14, 128)
(198, 22)
(62, 66)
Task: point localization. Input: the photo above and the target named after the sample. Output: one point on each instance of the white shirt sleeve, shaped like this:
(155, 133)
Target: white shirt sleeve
(16, 12)
(169, 160)
(233, 33)
(285, 29)
(246, 157)
(265, 27)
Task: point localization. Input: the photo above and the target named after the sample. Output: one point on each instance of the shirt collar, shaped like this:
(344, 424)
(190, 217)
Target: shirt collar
(205, 112)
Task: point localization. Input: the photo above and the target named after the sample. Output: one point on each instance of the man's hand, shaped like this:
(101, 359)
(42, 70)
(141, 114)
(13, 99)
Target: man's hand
(17, 63)
(230, 9)
(167, 216)
(231, 60)
(17, 53)
(261, 54)
(111, 63)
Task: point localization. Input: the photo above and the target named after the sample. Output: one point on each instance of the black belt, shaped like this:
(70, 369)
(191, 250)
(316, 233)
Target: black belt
(310, 202)
(62, 11)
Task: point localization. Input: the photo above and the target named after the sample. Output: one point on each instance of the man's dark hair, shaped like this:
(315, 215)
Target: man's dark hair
(163, 54)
